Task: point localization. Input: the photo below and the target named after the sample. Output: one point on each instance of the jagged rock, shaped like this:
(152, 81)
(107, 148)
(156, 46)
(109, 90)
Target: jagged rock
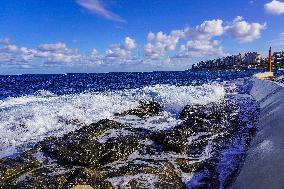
(119, 149)
(189, 166)
(200, 114)
(145, 109)
(73, 150)
(11, 169)
(80, 147)
(175, 139)
(192, 112)
(165, 173)
(90, 177)
(197, 147)
(49, 177)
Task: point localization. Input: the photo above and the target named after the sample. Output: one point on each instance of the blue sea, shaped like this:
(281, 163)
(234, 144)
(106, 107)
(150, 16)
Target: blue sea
(33, 107)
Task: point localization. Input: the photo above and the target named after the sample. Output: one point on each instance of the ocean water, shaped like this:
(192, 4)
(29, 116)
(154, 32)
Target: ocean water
(33, 107)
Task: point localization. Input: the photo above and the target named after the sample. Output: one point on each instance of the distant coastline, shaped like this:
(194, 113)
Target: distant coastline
(241, 61)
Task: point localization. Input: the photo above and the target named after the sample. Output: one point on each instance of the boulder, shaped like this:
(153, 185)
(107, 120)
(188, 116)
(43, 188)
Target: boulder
(119, 148)
(80, 147)
(165, 174)
(145, 109)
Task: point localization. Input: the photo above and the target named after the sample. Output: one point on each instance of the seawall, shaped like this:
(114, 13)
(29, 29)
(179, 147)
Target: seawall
(264, 164)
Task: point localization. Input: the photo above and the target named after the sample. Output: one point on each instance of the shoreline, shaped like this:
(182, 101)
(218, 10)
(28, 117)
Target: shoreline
(264, 162)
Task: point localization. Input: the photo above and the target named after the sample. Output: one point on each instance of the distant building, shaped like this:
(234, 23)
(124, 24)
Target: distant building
(278, 59)
(251, 58)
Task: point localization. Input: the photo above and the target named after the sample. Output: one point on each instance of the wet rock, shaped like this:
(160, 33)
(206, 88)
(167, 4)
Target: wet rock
(11, 169)
(145, 109)
(74, 150)
(170, 178)
(119, 149)
(175, 139)
(96, 129)
(190, 165)
(197, 147)
(193, 112)
(165, 174)
(80, 147)
(49, 177)
(90, 177)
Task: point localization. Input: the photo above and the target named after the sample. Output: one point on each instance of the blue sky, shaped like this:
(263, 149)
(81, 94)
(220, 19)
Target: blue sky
(40, 36)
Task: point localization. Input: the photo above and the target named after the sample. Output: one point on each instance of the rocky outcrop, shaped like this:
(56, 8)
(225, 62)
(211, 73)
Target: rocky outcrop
(108, 154)
(145, 109)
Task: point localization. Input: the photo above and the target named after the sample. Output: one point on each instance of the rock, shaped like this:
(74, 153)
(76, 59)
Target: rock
(175, 139)
(145, 109)
(200, 114)
(90, 177)
(197, 147)
(190, 165)
(96, 129)
(82, 187)
(119, 149)
(192, 112)
(164, 172)
(49, 177)
(75, 150)
(80, 147)
(11, 169)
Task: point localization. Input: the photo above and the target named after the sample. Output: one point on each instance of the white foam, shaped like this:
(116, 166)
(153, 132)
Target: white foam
(29, 119)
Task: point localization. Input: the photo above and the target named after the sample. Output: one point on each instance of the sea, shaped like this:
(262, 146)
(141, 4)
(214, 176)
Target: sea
(32, 107)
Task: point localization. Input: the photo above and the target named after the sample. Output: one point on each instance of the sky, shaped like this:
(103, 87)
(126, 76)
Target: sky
(75, 36)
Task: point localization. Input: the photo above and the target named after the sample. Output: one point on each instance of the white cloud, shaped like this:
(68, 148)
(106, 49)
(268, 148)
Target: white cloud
(121, 53)
(198, 41)
(205, 31)
(159, 44)
(129, 43)
(274, 7)
(5, 41)
(12, 54)
(201, 48)
(161, 49)
(52, 47)
(96, 7)
(57, 53)
(244, 31)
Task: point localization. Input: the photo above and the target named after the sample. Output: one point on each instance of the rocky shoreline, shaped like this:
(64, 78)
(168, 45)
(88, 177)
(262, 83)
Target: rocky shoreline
(109, 154)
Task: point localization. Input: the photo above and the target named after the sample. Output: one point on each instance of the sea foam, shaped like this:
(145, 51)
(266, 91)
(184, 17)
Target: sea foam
(28, 119)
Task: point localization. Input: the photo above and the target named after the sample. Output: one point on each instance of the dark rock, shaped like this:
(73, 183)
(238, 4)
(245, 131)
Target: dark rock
(11, 169)
(80, 147)
(167, 176)
(92, 177)
(175, 139)
(145, 109)
(49, 177)
(197, 147)
(190, 165)
(192, 111)
(119, 149)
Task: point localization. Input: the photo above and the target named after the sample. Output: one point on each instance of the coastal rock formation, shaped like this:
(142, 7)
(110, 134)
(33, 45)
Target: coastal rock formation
(109, 154)
(145, 109)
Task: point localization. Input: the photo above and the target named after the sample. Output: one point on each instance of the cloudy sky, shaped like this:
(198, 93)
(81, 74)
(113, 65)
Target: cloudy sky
(40, 36)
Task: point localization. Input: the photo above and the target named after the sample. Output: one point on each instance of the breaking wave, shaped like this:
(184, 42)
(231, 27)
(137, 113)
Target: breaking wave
(28, 119)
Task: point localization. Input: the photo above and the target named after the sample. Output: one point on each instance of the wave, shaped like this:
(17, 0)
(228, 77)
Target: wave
(28, 119)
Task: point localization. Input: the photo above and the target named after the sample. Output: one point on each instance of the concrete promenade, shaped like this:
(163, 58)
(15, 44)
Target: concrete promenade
(264, 164)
